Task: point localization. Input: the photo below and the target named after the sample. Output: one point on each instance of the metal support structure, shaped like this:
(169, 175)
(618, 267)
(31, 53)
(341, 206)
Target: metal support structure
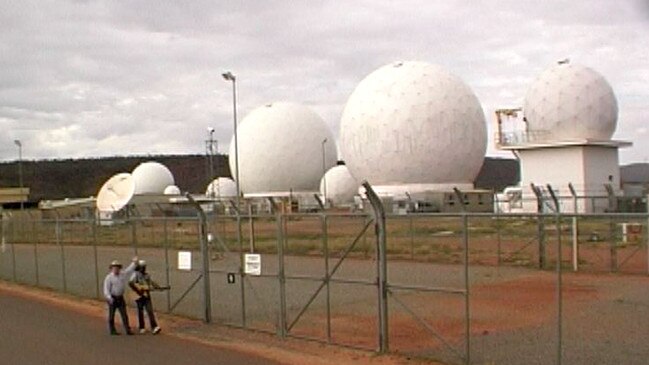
(207, 297)
(540, 224)
(382, 267)
(559, 287)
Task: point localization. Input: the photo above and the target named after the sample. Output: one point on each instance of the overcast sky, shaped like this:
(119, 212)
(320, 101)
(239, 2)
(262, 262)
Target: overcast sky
(101, 78)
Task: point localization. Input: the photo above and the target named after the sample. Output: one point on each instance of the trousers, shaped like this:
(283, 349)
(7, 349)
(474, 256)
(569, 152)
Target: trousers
(118, 304)
(144, 303)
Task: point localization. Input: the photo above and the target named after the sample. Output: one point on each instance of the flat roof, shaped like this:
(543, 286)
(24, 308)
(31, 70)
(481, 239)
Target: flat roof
(568, 143)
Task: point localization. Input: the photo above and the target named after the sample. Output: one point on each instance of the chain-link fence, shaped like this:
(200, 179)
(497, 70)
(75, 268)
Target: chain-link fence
(459, 288)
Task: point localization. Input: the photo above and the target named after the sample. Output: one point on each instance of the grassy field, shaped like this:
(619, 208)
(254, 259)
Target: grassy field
(492, 241)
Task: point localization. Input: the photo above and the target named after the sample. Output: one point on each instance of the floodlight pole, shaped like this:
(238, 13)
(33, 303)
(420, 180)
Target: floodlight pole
(228, 76)
(20, 171)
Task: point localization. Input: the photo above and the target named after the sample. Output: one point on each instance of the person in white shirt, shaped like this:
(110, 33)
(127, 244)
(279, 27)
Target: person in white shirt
(114, 286)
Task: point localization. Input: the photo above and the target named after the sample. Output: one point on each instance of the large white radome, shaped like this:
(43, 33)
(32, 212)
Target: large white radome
(222, 187)
(338, 186)
(568, 102)
(413, 123)
(151, 178)
(280, 149)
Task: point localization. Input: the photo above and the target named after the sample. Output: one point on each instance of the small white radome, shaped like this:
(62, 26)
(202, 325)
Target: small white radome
(172, 190)
(281, 148)
(152, 178)
(222, 187)
(338, 186)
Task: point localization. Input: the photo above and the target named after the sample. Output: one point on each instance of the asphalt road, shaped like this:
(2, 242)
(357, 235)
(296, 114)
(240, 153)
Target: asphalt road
(33, 332)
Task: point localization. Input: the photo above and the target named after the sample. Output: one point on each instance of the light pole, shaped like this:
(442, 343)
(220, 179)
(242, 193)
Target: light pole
(20, 171)
(324, 171)
(228, 76)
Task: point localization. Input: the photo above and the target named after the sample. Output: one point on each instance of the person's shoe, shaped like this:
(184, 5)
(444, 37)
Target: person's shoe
(114, 333)
(129, 333)
(142, 331)
(156, 330)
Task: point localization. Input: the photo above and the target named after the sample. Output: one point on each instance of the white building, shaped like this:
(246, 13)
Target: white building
(570, 114)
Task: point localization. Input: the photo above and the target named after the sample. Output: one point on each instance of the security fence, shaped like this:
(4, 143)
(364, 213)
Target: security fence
(458, 288)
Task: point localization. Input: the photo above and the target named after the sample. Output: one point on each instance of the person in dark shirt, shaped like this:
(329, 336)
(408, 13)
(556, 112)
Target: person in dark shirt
(142, 284)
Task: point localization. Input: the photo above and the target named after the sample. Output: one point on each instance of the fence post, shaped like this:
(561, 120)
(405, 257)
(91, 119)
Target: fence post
(467, 308)
(34, 237)
(613, 244)
(409, 211)
(559, 294)
(251, 227)
(540, 224)
(13, 248)
(133, 234)
(575, 229)
(166, 246)
(382, 265)
(498, 230)
(325, 250)
(279, 217)
(93, 225)
(207, 298)
(57, 232)
(242, 271)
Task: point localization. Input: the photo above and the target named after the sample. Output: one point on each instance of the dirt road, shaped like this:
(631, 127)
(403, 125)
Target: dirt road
(34, 332)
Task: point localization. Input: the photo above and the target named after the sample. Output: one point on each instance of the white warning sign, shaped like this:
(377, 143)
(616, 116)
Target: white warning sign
(252, 262)
(185, 260)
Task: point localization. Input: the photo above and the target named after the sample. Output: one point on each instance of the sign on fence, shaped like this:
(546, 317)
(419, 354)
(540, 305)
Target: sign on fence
(184, 260)
(252, 264)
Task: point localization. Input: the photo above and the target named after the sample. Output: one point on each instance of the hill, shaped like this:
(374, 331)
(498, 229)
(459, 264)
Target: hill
(59, 179)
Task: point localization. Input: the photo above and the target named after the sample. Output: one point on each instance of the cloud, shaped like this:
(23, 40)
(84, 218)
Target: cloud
(88, 78)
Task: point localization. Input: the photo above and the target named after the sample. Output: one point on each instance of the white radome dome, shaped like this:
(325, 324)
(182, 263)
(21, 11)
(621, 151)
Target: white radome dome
(281, 149)
(341, 186)
(172, 190)
(568, 102)
(222, 187)
(413, 123)
(151, 178)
